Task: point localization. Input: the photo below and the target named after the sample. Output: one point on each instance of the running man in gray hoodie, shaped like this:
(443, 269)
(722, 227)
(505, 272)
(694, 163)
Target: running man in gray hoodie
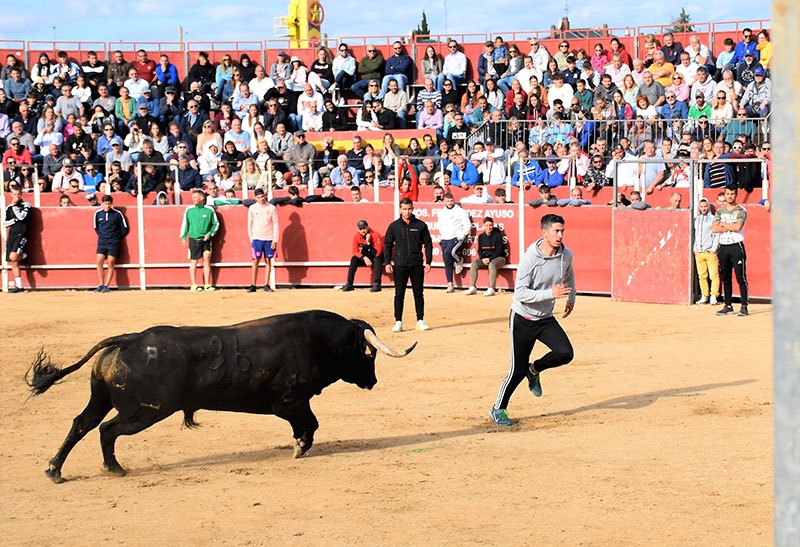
(544, 274)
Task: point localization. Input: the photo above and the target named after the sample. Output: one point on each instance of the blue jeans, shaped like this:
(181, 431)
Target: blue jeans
(360, 88)
(450, 254)
(344, 80)
(402, 82)
(402, 116)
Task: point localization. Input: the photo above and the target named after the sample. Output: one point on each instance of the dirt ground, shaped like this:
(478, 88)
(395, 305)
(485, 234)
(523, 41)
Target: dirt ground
(659, 433)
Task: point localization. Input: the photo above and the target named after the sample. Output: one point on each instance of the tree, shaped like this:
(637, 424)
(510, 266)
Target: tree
(422, 30)
(681, 23)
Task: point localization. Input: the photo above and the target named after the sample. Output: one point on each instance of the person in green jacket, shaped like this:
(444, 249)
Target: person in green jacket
(370, 67)
(198, 227)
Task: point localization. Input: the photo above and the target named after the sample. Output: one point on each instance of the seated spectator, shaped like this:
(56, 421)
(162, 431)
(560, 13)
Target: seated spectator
(454, 67)
(636, 201)
(309, 109)
(370, 67)
(491, 256)
(333, 118)
(399, 67)
(337, 174)
(757, 97)
(550, 175)
(395, 99)
(344, 69)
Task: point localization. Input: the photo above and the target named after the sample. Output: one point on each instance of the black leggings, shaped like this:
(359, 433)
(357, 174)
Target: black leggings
(401, 276)
(524, 334)
(733, 259)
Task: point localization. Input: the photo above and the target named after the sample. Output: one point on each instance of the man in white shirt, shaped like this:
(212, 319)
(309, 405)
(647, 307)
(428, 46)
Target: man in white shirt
(479, 195)
(540, 55)
(687, 69)
(528, 70)
(454, 67)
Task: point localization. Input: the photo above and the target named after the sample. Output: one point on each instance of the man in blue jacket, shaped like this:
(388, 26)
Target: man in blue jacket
(399, 67)
(110, 226)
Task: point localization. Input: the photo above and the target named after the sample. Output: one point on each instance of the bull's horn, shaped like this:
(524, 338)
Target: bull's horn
(372, 338)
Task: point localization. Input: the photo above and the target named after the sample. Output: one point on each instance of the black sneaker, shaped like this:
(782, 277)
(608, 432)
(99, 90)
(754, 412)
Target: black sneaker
(15, 290)
(251, 288)
(267, 288)
(743, 312)
(347, 288)
(727, 310)
(375, 288)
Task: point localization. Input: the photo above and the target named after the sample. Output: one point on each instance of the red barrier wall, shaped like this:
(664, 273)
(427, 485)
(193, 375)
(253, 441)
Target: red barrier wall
(316, 239)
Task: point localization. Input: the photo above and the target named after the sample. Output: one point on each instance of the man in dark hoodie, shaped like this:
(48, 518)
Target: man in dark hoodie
(544, 275)
(406, 239)
(491, 256)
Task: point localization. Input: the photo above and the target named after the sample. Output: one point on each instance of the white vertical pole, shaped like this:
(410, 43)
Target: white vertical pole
(176, 188)
(37, 194)
(786, 253)
(3, 230)
(140, 221)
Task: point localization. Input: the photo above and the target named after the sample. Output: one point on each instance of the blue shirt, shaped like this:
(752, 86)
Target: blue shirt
(469, 176)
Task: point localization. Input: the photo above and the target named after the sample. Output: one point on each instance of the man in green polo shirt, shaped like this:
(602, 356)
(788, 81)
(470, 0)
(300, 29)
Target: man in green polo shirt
(199, 226)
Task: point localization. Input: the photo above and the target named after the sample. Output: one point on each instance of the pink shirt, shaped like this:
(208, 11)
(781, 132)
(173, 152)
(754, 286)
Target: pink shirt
(262, 222)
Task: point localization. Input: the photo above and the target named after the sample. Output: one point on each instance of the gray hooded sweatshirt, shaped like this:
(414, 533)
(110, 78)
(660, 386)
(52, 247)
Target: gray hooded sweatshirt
(536, 275)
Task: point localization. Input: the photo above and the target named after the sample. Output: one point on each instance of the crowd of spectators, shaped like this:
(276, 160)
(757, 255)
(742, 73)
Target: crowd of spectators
(531, 118)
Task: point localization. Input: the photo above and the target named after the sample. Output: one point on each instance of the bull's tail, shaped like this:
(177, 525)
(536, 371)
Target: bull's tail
(42, 373)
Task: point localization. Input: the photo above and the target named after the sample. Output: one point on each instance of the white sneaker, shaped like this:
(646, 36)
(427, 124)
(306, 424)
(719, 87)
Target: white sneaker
(713, 300)
(458, 267)
(450, 288)
(703, 300)
(422, 325)
(489, 292)
(471, 290)
(398, 327)
(341, 101)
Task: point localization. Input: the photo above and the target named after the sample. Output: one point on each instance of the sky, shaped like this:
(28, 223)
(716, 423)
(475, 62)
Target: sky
(226, 20)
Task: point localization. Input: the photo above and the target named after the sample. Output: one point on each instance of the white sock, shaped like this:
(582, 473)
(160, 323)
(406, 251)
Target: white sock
(18, 282)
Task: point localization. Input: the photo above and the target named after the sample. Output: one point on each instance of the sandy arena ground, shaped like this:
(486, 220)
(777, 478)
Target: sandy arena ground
(659, 433)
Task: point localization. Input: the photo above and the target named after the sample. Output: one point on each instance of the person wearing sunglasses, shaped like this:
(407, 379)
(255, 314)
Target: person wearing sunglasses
(454, 67)
(344, 68)
(370, 67)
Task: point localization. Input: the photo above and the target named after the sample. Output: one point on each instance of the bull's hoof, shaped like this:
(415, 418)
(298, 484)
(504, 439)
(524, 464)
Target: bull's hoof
(299, 446)
(115, 469)
(54, 475)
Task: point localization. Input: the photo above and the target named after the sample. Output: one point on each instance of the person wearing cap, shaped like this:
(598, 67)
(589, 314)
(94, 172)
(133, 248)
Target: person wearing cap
(300, 150)
(170, 106)
(281, 69)
(263, 230)
(745, 69)
(700, 107)
(486, 68)
(152, 103)
(68, 179)
(136, 86)
(111, 227)
(550, 174)
(370, 67)
(144, 120)
(198, 227)
(117, 154)
(367, 251)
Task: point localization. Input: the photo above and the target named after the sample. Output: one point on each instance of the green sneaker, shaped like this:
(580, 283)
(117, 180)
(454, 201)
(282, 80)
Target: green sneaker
(534, 382)
(500, 416)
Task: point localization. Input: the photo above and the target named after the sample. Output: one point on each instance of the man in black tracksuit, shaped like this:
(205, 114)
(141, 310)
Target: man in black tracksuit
(110, 226)
(407, 236)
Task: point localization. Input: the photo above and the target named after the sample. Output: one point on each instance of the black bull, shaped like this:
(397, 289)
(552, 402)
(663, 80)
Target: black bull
(272, 365)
